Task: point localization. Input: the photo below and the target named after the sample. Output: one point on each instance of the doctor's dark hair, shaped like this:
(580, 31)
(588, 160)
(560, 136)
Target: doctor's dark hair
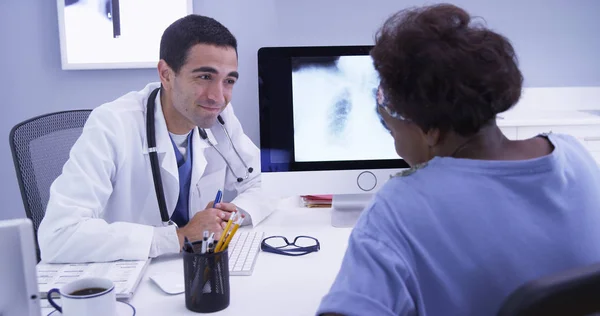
(188, 31)
(441, 70)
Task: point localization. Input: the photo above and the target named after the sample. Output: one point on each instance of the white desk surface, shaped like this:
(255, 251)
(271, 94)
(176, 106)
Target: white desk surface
(279, 285)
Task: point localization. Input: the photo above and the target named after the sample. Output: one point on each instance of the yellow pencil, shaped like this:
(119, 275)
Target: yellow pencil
(230, 236)
(222, 239)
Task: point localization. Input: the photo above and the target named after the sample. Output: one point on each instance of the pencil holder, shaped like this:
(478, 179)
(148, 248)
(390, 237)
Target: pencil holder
(206, 278)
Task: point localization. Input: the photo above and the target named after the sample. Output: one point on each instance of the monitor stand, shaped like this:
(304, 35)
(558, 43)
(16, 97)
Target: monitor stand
(347, 208)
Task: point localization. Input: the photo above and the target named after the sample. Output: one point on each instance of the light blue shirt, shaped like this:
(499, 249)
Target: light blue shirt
(458, 236)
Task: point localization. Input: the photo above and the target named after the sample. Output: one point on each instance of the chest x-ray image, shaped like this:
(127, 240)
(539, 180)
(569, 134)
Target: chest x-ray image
(97, 34)
(335, 110)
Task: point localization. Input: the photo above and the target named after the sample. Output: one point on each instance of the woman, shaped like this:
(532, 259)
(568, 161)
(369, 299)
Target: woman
(478, 214)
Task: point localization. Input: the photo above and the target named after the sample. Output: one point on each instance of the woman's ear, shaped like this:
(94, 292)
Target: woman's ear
(432, 137)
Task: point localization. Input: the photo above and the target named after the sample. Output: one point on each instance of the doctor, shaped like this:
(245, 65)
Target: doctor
(106, 204)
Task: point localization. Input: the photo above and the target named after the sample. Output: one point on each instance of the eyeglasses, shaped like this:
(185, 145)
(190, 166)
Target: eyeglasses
(382, 102)
(301, 245)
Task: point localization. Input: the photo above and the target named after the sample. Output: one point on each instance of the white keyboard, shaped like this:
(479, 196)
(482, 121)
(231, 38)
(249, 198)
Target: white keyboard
(243, 252)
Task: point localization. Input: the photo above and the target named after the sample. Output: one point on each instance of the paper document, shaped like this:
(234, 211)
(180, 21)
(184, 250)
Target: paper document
(126, 275)
(317, 200)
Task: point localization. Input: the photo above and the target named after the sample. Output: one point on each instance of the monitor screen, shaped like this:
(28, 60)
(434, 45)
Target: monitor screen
(318, 110)
(334, 109)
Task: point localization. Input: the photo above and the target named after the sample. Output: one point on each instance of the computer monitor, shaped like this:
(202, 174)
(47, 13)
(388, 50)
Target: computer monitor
(19, 295)
(320, 132)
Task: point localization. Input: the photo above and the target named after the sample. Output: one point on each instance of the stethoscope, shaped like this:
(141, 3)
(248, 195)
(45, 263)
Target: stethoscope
(151, 136)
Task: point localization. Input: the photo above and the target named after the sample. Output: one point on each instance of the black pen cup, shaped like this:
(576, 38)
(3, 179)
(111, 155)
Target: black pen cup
(206, 278)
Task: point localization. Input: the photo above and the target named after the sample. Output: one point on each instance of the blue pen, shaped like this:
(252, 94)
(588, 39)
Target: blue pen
(218, 198)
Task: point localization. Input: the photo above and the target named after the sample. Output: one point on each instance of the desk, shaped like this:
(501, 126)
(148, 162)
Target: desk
(279, 285)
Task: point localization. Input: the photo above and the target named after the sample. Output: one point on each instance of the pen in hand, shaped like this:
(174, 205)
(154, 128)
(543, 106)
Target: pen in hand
(218, 198)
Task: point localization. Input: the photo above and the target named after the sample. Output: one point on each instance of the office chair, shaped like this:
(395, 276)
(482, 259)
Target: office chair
(40, 147)
(575, 292)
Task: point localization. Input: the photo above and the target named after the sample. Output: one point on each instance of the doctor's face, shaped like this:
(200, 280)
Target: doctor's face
(204, 85)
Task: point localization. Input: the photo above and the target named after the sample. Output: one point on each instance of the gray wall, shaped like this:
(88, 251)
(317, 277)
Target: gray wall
(557, 42)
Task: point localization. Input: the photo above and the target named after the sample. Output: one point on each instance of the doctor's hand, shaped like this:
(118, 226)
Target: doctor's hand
(210, 219)
(228, 209)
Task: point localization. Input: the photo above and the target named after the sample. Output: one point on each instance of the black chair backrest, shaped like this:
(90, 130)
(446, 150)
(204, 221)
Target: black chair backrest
(575, 292)
(40, 147)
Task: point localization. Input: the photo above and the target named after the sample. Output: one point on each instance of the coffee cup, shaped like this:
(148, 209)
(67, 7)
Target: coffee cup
(86, 296)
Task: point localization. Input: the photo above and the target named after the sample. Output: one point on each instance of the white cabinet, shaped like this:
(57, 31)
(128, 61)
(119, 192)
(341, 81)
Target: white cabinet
(583, 126)
(509, 132)
(589, 135)
(580, 131)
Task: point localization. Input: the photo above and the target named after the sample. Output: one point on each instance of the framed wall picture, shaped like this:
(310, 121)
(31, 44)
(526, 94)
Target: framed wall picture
(111, 34)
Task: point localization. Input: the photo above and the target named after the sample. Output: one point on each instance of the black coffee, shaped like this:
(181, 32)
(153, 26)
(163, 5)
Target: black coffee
(88, 291)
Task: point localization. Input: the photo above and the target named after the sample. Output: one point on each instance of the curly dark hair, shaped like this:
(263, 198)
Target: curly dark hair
(441, 70)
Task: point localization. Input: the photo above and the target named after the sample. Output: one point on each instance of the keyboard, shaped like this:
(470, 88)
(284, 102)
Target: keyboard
(243, 252)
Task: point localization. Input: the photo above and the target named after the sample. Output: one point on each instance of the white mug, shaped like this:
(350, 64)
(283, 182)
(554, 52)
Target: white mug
(92, 303)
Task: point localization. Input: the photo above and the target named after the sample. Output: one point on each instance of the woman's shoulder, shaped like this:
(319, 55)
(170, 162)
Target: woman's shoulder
(571, 149)
(401, 188)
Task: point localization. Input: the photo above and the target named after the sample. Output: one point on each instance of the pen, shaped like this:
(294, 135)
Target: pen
(218, 198)
(230, 236)
(204, 242)
(211, 242)
(187, 245)
(224, 235)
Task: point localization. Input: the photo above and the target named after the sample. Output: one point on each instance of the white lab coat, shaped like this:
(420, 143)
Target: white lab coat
(103, 206)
